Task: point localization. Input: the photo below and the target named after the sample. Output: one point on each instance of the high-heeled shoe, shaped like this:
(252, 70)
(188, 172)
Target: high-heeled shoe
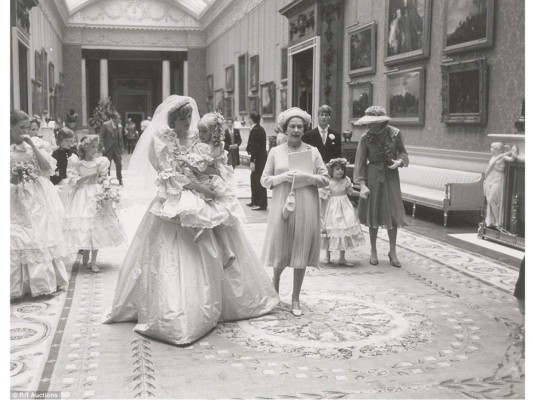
(94, 267)
(396, 263)
(374, 262)
(296, 310)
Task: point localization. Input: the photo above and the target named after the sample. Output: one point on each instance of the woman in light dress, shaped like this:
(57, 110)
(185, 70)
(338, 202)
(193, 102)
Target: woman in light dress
(293, 240)
(174, 288)
(37, 245)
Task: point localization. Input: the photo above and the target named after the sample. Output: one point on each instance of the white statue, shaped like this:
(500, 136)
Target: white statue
(492, 186)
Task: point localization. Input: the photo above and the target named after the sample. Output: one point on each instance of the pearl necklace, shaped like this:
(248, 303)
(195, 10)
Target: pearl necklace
(293, 150)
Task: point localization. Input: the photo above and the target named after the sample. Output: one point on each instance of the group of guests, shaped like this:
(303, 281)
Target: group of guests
(190, 264)
(54, 211)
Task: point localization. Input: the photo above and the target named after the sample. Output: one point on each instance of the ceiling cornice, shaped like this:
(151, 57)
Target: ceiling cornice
(213, 12)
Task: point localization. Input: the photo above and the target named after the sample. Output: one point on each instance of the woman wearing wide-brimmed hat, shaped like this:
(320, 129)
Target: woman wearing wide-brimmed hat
(293, 229)
(379, 155)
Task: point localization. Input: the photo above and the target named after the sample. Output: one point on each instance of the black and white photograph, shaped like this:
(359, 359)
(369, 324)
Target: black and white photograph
(406, 96)
(468, 25)
(407, 30)
(266, 199)
(362, 49)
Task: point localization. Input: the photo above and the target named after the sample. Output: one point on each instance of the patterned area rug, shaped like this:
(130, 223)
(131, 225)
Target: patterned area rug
(444, 326)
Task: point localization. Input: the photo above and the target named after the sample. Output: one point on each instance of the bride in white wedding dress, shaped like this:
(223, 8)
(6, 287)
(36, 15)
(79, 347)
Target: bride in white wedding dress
(175, 288)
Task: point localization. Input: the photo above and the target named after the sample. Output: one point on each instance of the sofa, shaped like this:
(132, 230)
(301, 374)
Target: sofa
(443, 189)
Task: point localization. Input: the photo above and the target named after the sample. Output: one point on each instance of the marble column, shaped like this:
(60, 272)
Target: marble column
(83, 93)
(104, 83)
(166, 79)
(185, 81)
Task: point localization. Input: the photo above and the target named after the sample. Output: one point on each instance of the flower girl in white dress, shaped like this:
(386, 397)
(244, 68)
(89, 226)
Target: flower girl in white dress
(90, 222)
(340, 224)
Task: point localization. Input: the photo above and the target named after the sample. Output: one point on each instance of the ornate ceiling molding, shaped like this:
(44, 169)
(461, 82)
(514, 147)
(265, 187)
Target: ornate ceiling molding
(51, 15)
(141, 39)
(133, 13)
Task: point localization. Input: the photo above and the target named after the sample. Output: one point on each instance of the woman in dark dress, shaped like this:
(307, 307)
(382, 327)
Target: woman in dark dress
(379, 155)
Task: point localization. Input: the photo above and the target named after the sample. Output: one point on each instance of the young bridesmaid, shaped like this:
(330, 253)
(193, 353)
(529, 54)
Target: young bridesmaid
(90, 225)
(339, 222)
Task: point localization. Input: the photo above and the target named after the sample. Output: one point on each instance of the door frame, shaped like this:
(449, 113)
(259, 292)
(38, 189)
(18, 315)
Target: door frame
(312, 43)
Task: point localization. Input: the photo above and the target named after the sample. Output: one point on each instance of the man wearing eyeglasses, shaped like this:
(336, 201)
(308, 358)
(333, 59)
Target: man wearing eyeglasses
(326, 140)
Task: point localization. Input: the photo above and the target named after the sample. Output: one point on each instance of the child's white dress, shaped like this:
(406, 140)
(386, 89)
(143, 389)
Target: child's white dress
(203, 155)
(84, 226)
(37, 244)
(340, 222)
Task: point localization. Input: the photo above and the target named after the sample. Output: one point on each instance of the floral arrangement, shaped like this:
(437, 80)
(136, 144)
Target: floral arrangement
(218, 134)
(23, 172)
(343, 162)
(107, 195)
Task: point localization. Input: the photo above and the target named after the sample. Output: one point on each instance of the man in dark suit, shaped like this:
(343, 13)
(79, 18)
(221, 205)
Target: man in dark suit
(111, 141)
(326, 140)
(232, 141)
(258, 156)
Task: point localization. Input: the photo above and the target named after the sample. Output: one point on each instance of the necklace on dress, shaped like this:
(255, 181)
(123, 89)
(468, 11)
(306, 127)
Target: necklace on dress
(293, 150)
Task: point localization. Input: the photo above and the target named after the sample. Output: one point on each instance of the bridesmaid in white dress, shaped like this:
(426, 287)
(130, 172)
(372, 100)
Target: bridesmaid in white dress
(88, 226)
(174, 288)
(37, 244)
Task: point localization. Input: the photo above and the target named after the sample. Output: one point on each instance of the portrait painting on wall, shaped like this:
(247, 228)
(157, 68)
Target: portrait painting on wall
(254, 73)
(209, 85)
(241, 65)
(268, 99)
(228, 107)
(362, 49)
(360, 99)
(406, 96)
(38, 67)
(51, 76)
(464, 92)
(407, 30)
(253, 104)
(219, 100)
(44, 64)
(283, 99)
(468, 25)
(230, 78)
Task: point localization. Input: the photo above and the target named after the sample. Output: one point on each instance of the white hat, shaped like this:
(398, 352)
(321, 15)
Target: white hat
(292, 112)
(373, 114)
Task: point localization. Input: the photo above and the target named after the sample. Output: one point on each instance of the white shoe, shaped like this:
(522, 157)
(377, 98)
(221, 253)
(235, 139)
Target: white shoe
(296, 310)
(95, 268)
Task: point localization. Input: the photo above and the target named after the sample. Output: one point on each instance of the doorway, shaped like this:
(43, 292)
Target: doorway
(304, 77)
(303, 80)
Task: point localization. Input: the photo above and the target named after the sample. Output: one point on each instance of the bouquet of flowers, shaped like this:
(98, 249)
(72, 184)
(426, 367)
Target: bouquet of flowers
(23, 172)
(218, 134)
(107, 195)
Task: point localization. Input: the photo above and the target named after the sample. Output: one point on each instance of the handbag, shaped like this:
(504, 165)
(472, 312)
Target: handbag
(290, 202)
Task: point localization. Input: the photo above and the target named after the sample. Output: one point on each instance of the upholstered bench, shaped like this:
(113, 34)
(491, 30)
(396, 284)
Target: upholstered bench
(443, 189)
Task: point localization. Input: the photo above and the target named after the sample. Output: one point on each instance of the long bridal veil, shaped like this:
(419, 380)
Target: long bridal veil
(139, 186)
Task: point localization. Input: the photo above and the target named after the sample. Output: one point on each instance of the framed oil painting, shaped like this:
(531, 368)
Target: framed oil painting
(51, 76)
(219, 100)
(228, 107)
(284, 60)
(38, 67)
(254, 73)
(464, 92)
(44, 66)
(253, 104)
(406, 96)
(362, 49)
(230, 78)
(468, 25)
(360, 99)
(407, 30)
(242, 79)
(268, 99)
(209, 86)
(283, 99)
